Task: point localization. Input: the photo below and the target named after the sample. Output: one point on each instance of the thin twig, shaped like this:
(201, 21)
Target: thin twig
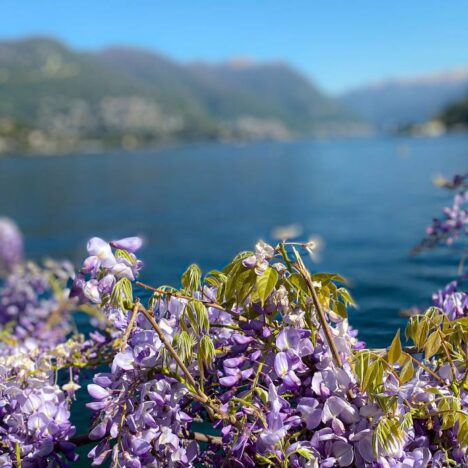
(211, 407)
(420, 364)
(203, 398)
(83, 439)
(130, 326)
(213, 305)
(321, 315)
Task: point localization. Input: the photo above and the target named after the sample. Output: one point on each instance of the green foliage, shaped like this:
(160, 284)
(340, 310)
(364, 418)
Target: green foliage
(122, 294)
(191, 279)
(266, 283)
(184, 343)
(389, 433)
(394, 353)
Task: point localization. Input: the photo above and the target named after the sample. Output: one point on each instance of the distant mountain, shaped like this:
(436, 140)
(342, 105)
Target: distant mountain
(53, 98)
(455, 116)
(396, 103)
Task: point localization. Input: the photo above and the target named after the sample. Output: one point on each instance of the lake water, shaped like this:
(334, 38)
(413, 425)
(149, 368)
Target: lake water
(369, 199)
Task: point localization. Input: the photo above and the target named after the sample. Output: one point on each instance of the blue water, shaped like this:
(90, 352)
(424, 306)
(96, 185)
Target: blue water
(369, 199)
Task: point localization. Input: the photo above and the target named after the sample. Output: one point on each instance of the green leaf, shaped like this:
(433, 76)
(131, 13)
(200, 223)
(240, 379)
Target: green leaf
(361, 364)
(407, 372)
(206, 351)
(340, 309)
(388, 403)
(202, 319)
(323, 277)
(266, 283)
(122, 293)
(395, 350)
(462, 429)
(421, 333)
(264, 460)
(306, 453)
(373, 376)
(191, 278)
(411, 328)
(432, 345)
(18, 455)
(230, 287)
(298, 282)
(236, 261)
(189, 312)
(184, 342)
(346, 296)
(388, 433)
(244, 285)
(215, 278)
(124, 255)
(263, 394)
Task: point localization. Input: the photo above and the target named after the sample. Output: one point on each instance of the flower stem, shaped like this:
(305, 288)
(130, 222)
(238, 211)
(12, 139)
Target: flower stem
(321, 315)
(131, 324)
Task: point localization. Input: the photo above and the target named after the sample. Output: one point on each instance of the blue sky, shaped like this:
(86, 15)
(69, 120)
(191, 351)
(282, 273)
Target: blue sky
(338, 43)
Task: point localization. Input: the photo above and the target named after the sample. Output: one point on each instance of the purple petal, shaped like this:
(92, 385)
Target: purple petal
(99, 431)
(229, 380)
(288, 338)
(281, 364)
(130, 244)
(97, 392)
(123, 360)
(121, 270)
(343, 452)
(102, 250)
(90, 264)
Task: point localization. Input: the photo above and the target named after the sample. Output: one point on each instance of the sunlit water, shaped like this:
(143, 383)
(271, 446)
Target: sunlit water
(369, 199)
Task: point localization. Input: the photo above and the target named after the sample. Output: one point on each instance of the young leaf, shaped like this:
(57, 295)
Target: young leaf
(432, 345)
(346, 296)
(266, 283)
(122, 292)
(340, 309)
(192, 319)
(203, 323)
(372, 378)
(206, 351)
(421, 333)
(298, 282)
(394, 352)
(407, 372)
(191, 279)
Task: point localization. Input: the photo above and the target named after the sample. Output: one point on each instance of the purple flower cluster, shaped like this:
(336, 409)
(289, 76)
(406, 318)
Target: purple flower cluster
(143, 414)
(281, 394)
(452, 301)
(104, 267)
(454, 222)
(34, 303)
(35, 425)
(11, 246)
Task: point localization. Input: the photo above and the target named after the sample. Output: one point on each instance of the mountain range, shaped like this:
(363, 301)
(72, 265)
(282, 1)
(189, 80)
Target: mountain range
(395, 103)
(54, 98)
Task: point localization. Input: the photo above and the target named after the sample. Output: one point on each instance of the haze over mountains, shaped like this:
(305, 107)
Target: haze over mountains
(395, 103)
(56, 99)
